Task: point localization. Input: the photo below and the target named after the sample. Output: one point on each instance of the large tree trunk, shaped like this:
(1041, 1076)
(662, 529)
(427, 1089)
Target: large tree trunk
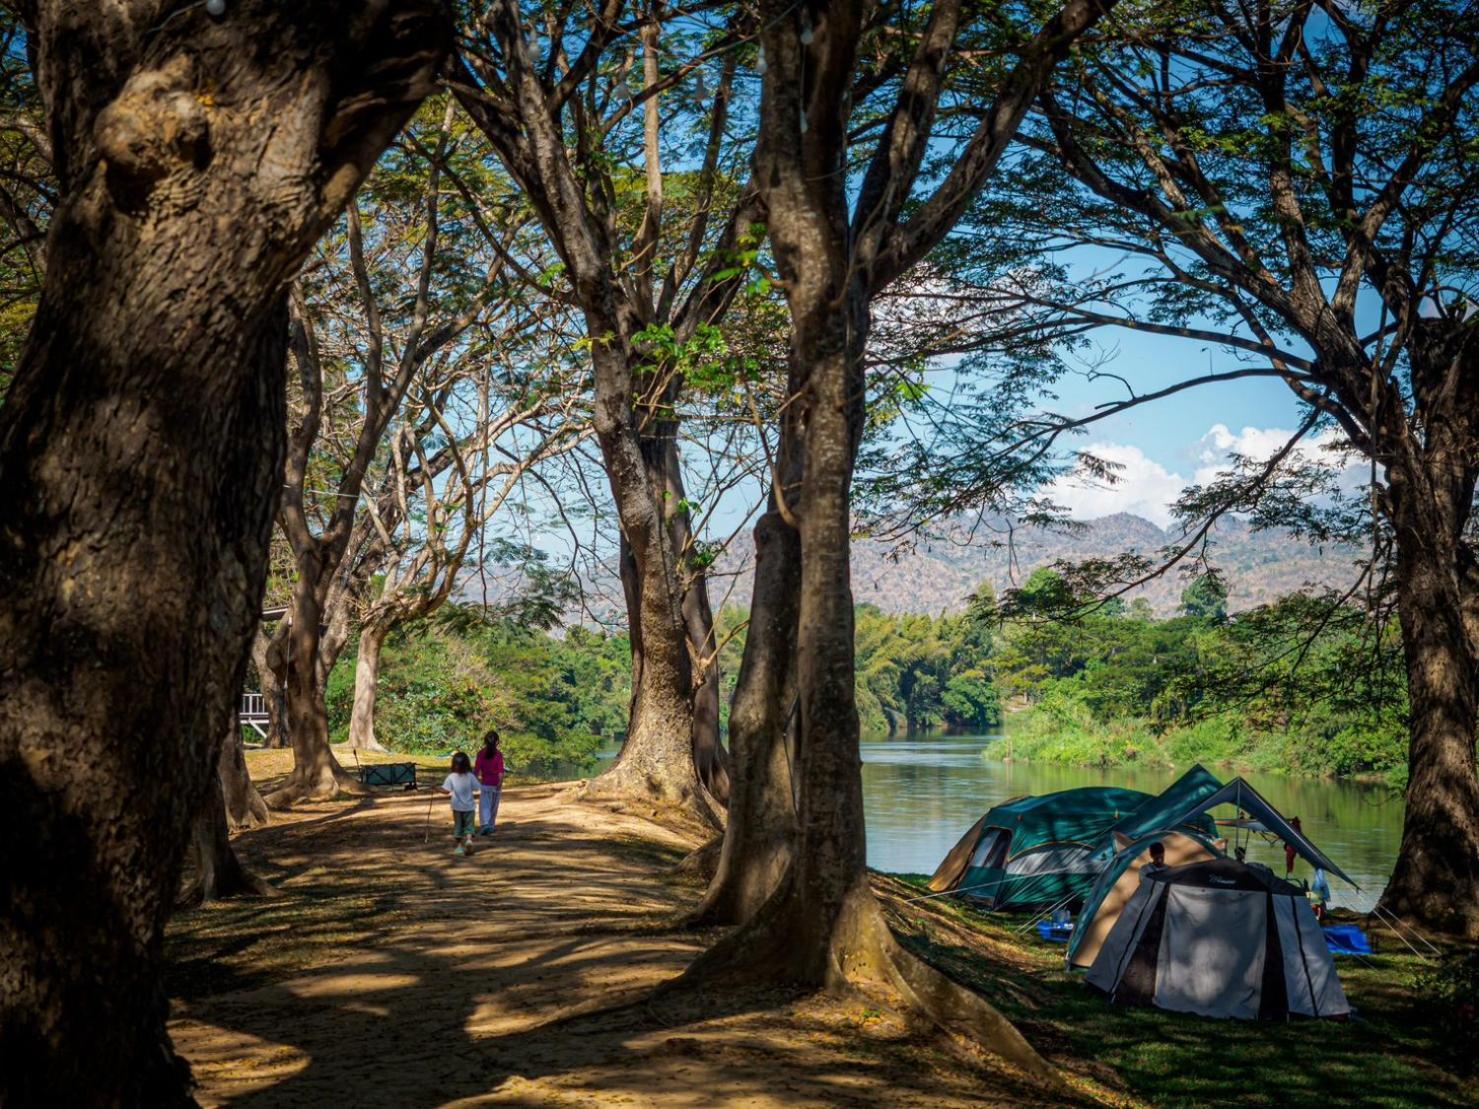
(822, 927)
(656, 761)
(1436, 879)
(709, 756)
(827, 904)
(140, 453)
(217, 872)
(665, 471)
(709, 759)
(366, 682)
(244, 805)
(270, 661)
(316, 773)
(759, 836)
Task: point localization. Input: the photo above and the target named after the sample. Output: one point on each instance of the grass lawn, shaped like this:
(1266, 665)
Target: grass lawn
(1391, 1053)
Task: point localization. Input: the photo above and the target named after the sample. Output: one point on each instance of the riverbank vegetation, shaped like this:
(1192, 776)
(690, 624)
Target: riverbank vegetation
(1306, 685)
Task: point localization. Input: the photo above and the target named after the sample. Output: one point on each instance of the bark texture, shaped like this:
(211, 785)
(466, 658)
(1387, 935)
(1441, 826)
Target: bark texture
(244, 805)
(759, 836)
(366, 686)
(1436, 879)
(140, 453)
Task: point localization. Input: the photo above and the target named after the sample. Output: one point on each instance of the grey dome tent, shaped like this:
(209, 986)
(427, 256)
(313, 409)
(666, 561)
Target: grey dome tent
(1171, 818)
(1117, 883)
(1220, 939)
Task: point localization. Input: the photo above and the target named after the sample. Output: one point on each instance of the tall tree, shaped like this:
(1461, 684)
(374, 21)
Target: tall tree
(197, 159)
(837, 243)
(373, 321)
(551, 91)
(1295, 181)
(520, 423)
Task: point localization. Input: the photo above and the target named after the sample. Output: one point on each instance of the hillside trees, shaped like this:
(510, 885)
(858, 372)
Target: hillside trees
(1296, 183)
(835, 249)
(566, 100)
(196, 161)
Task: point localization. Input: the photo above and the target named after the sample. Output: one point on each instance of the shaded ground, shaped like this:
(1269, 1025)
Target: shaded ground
(391, 973)
(1384, 1056)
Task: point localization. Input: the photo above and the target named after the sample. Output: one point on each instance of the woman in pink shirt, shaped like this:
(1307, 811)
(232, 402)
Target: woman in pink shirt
(488, 769)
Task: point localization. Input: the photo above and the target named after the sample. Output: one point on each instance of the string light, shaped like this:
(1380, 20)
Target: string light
(760, 64)
(215, 8)
(700, 90)
(807, 34)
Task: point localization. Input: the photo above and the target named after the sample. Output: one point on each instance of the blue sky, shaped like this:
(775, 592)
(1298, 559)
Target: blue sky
(1166, 442)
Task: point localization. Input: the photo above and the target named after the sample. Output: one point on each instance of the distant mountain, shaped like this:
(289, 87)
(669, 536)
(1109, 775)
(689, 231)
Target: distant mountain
(937, 576)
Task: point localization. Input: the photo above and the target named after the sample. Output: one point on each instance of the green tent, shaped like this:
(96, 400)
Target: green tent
(1174, 806)
(1031, 852)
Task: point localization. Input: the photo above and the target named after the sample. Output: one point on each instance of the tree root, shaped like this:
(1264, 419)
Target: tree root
(220, 874)
(742, 880)
(863, 956)
(690, 810)
(1430, 911)
(253, 813)
(626, 782)
(703, 861)
(236, 882)
(327, 786)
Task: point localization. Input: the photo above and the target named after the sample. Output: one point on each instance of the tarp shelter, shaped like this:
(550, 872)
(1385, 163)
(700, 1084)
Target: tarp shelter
(1118, 881)
(1220, 939)
(1249, 800)
(1035, 851)
(1178, 805)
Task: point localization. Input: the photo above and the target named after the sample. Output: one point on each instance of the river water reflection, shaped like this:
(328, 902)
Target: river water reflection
(921, 793)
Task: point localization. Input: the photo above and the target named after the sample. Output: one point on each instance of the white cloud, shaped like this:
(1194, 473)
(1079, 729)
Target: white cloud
(1144, 487)
(1220, 443)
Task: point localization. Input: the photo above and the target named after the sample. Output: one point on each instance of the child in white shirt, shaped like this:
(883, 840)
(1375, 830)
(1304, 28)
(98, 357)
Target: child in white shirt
(462, 786)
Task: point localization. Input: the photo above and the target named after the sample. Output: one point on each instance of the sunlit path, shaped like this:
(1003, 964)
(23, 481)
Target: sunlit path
(392, 973)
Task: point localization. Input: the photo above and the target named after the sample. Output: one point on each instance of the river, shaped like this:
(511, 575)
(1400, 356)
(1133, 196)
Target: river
(921, 793)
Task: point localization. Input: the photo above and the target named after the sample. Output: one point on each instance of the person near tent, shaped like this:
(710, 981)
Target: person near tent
(1319, 893)
(1157, 860)
(488, 770)
(1289, 853)
(461, 786)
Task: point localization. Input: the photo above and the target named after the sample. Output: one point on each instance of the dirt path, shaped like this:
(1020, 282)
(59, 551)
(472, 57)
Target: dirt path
(390, 973)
